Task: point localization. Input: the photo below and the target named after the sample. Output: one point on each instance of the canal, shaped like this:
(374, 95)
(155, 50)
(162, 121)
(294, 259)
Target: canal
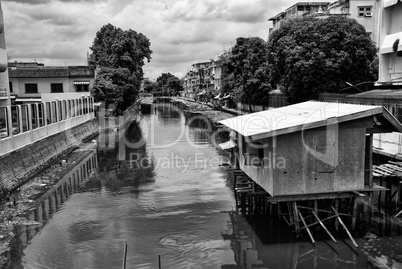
(160, 187)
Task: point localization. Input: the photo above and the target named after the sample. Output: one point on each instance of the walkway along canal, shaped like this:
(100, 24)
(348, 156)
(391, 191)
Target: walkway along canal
(161, 188)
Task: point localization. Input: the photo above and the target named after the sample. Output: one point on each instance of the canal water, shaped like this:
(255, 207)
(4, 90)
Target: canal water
(160, 186)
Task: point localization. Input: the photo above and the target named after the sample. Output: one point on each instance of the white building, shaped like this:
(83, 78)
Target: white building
(27, 81)
(4, 92)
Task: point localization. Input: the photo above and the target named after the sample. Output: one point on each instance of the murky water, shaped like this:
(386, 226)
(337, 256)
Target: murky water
(163, 192)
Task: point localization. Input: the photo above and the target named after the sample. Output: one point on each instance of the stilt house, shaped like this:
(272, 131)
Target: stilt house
(315, 148)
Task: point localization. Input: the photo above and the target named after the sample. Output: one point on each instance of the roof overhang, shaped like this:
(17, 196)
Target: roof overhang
(389, 3)
(308, 115)
(81, 82)
(388, 43)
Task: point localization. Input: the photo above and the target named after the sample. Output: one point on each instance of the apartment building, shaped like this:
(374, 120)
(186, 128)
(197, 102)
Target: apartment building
(198, 80)
(390, 53)
(365, 12)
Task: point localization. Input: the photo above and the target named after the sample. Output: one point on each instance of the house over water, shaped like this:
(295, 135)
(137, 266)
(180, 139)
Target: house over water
(312, 149)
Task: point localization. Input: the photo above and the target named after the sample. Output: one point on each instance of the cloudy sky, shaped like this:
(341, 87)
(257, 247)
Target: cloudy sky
(60, 32)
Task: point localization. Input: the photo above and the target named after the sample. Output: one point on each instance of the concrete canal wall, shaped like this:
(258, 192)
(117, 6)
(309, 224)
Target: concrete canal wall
(18, 166)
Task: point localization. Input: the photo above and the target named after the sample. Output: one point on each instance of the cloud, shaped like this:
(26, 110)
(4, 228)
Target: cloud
(181, 32)
(29, 2)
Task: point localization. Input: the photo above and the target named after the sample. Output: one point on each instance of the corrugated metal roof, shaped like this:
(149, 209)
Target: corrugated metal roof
(297, 117)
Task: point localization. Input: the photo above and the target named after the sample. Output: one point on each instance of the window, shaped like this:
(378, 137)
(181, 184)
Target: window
(31, 88)
(11, 86)
(56, 87)
(364, 12)
(81, 86)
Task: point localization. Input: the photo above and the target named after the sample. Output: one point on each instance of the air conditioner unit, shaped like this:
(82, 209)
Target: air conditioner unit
(368, 14)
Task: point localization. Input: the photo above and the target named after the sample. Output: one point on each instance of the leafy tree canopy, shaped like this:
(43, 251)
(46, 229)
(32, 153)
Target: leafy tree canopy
(309, 55)
(168, 82)
(245, 71)
(116, 52)
(149, 86)
(116, 87)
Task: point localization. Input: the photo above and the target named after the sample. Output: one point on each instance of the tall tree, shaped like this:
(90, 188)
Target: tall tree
(309, 55)
(116, 52)
(245, 70)
(169, 83)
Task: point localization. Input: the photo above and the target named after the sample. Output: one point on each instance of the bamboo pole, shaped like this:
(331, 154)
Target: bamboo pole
(323, 226)
(125, 255)
(308, 230)
(344, 227)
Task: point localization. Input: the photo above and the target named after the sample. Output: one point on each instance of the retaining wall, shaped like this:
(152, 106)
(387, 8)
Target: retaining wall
(18, 166)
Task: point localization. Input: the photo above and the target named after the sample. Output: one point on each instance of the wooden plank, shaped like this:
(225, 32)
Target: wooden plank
(322, 210)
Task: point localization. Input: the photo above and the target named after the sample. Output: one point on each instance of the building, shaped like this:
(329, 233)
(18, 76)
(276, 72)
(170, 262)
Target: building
(198, 81)
(299, 9)
(309, 148)
(4, 91)
(364, 12)
(390, 54)
(28, 80)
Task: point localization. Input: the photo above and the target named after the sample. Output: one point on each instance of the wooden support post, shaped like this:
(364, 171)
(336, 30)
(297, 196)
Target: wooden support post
(305, 225)
(125, 255)
(380, 192)
(336, 219)
(398, 194)
(279, 211)
(344, 227)
(290, 210)
(389, 191)
(323, 226)
(354, 212)
(296, 219)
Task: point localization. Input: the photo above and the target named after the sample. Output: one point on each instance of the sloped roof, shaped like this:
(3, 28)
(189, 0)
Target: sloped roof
(306, 115)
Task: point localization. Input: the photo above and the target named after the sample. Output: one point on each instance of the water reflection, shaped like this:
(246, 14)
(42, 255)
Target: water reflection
(49, 203)
(165, 197)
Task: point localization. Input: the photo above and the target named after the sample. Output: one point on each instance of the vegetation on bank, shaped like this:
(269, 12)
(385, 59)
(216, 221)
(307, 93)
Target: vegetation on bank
(302, 58)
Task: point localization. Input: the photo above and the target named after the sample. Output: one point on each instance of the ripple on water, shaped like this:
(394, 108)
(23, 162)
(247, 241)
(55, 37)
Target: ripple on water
(192, 248)
(177, 240)
(196, 219)
(197, 255)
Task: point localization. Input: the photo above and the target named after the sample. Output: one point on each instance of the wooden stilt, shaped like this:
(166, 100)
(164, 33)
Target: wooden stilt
(380, 193)
(305, 225)
(354, 212)
(279, 211)
(296, 219)
(323, 226)
(344, 226)
(291, 219)
(336, 219)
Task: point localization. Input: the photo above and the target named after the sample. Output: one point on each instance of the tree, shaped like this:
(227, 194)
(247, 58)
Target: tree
(245, 71)
(149, 86)
(119, 56)
(115, 86)
(308, 56)
(169, 83)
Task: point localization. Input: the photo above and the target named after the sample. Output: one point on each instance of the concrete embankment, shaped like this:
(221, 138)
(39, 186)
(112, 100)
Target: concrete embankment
(20, 165)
